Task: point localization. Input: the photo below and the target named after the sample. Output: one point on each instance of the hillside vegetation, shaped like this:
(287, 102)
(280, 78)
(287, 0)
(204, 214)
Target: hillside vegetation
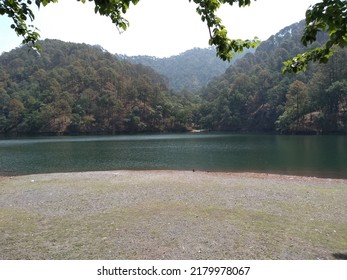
(190, 70)
(76, 88)
(81, 89)
(254, 94)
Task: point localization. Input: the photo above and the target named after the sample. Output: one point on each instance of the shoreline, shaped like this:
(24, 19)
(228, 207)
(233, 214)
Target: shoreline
(170, 171)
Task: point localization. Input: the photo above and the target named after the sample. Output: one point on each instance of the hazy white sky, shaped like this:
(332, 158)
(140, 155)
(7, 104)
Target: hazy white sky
(157, 27)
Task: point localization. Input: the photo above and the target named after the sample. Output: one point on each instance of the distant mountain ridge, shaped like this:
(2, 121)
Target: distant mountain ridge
(190, 70)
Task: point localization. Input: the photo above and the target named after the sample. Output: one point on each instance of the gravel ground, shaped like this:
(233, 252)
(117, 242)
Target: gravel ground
(172, 215)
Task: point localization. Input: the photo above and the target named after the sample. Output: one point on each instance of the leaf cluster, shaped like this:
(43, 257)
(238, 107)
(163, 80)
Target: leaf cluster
(114, 10)
(328, 16)
(225, 47)
(20, 12)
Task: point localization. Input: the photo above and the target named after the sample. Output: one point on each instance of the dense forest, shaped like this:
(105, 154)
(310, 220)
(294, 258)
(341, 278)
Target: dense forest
(188, 71)
(81, 89)
(254, 95)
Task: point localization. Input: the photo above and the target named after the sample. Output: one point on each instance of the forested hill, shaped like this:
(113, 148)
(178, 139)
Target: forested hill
(255, 95)
(190, 70)
(80, 89)
(76, 88)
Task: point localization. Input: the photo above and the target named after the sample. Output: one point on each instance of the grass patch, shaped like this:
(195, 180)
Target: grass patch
(170, 215)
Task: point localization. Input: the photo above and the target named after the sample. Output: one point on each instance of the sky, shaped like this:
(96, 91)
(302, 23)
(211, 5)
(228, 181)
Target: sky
(159, 28)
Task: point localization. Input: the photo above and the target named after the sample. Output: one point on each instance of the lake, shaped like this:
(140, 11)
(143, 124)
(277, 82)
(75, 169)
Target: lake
(322, 156)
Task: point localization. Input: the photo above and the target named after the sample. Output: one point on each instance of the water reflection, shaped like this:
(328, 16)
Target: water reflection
(324, 156)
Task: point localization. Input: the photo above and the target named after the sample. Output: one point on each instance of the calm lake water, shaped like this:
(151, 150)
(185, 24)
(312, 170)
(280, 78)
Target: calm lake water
(323, 156)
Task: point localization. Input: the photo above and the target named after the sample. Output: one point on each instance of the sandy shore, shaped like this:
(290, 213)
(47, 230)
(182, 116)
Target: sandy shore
(172, 215)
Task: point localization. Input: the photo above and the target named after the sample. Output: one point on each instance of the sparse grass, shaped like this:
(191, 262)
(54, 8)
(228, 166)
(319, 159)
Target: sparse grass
(172, 215)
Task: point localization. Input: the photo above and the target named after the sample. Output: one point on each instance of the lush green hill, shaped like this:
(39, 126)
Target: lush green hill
(76, 88)
(188, 71)
(254, 95)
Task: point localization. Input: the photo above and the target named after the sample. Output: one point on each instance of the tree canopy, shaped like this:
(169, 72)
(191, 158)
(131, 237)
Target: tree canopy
(327, 16)
(254, 95)
(79, 89)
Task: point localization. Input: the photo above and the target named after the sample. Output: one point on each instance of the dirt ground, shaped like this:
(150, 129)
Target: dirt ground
(172, 215)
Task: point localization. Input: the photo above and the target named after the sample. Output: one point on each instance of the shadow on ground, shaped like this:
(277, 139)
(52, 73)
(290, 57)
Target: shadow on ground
(340, 256)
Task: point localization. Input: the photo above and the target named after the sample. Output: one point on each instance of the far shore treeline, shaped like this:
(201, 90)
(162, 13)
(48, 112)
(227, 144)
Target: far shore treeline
(72, 89)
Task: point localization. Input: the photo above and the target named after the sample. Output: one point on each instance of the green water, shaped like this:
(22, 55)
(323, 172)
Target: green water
(323, 156)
